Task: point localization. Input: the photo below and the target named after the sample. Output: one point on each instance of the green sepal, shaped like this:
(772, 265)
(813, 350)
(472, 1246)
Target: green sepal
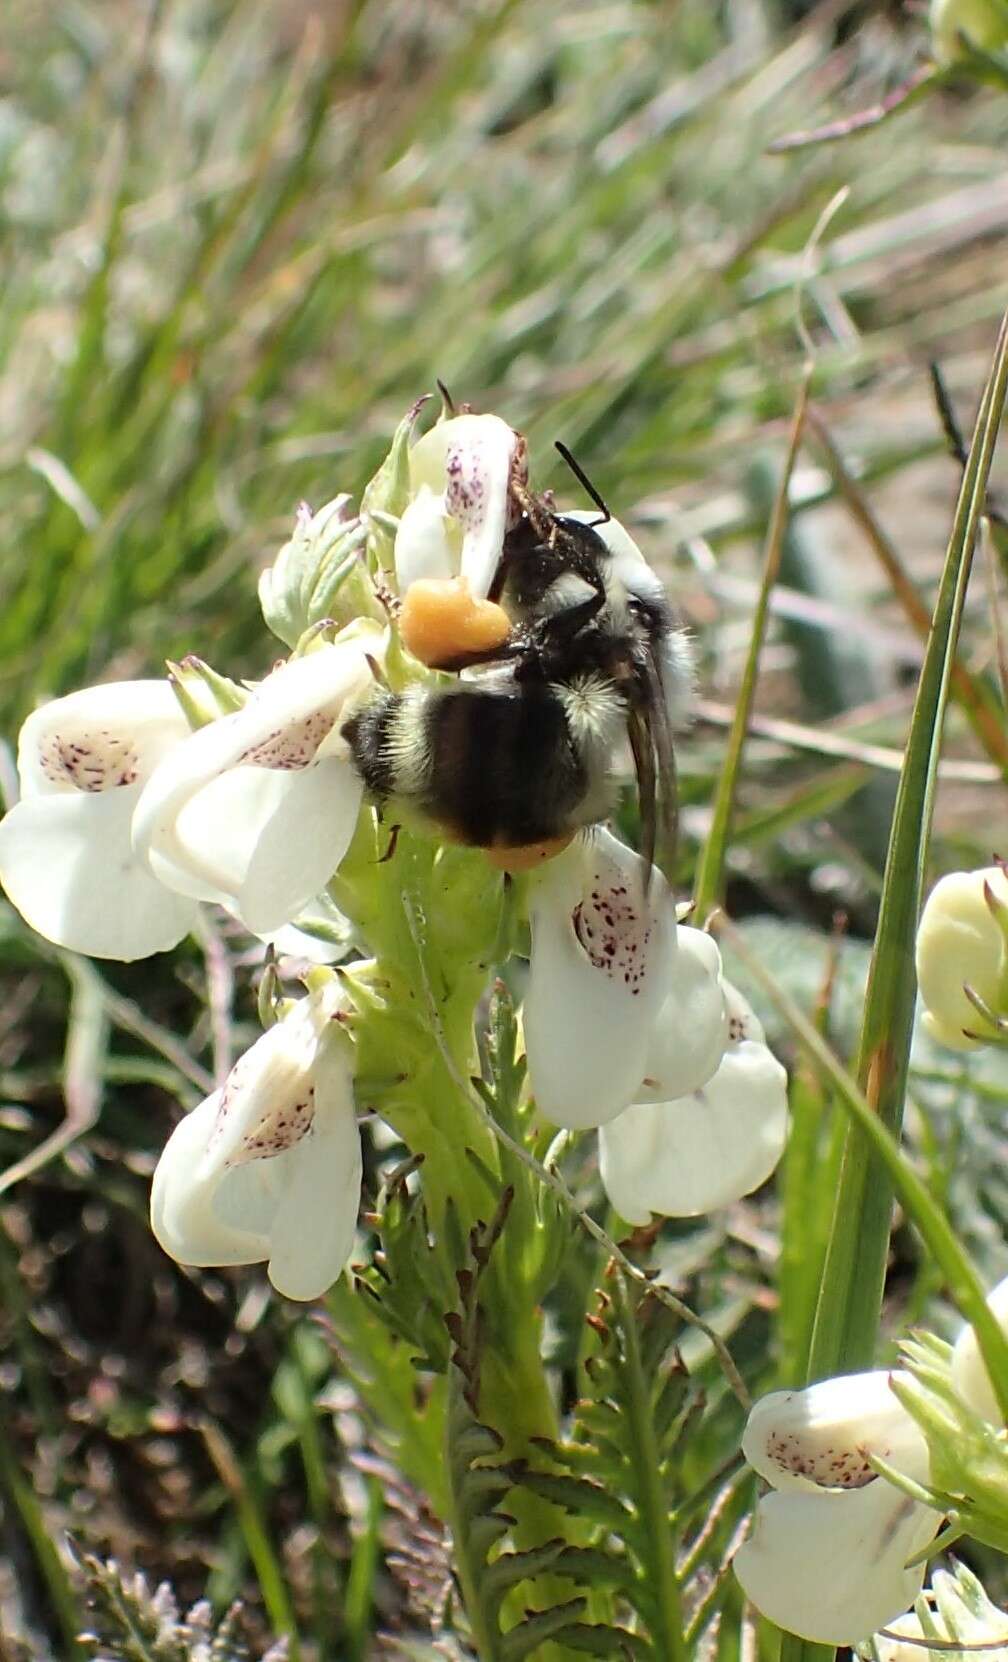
(969, 1457)
(202, 693)
(387, 493)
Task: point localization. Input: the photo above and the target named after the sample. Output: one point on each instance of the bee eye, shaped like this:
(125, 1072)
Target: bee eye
(643, 611)
(651, 614)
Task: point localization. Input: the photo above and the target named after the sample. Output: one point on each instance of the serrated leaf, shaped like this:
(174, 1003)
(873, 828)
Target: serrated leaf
(538, 1626)
(475, 1442)
(614, 1643)
(587, 1565)
(577, 1495)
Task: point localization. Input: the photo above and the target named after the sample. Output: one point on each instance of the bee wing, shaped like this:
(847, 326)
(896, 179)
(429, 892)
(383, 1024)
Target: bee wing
(665, 762)
(640, 732)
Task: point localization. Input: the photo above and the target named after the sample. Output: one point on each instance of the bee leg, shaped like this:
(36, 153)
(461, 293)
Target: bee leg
(560, 627)
(512, 648)
(392, 845)
(549, 638)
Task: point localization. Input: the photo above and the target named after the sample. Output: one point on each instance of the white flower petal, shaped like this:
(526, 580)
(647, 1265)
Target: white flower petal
(830, 1567)
(267, 1103)
(628, 1146)
(704, 1151)
(301, 845)
(708, 1147)
(320, 933)
(468, 461)
(821, 1437)
(689, 1037)
(100, 738)
(892, 1650)
(969, 1371)
(216, 816)
(185, 1218)
(316, 1220)
(597, 977)
(422, 547)
(65, 855)
(67, 864)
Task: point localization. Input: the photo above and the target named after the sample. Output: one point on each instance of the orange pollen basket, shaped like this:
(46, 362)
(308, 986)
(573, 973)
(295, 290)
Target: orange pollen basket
(440, 620)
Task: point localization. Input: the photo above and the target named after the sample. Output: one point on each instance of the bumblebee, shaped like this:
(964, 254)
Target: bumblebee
(521, 749)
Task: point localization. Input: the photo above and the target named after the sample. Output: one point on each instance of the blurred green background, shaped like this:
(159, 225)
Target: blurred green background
(238, 240)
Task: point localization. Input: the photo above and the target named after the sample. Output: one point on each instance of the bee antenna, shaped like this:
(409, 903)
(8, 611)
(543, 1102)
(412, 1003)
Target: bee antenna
(446, 397)
(583, 479)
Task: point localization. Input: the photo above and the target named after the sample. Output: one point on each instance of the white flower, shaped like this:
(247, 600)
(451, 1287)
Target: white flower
(960, 942)
(66, 860)
(827, 1555)
(828, 1551)
(460, 473)
(257, 809)
(680, 1157)
(835, 1572)
(611, 1000)
(268, 1168)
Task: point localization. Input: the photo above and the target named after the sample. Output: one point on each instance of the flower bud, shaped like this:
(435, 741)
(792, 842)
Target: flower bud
(969, 1370)
(387, 494)
(961, 942)
(318, 574)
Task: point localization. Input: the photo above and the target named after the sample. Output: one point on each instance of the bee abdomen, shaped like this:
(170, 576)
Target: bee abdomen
(492, 767)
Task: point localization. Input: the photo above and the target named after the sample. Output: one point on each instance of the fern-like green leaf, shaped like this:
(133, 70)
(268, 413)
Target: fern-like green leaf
(490, 1574)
